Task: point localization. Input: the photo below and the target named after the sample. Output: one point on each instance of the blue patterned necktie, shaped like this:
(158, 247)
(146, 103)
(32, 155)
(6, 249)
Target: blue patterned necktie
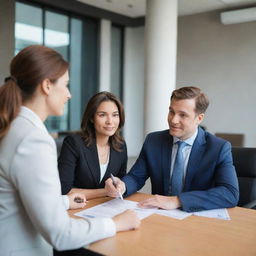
(178, 169)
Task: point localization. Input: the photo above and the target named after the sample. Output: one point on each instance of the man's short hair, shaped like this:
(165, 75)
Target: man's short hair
(191, 92)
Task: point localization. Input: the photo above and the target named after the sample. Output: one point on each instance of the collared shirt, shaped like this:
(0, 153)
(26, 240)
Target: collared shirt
(185, 151)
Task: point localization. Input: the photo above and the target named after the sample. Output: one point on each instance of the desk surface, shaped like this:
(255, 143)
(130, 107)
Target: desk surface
(193, 236)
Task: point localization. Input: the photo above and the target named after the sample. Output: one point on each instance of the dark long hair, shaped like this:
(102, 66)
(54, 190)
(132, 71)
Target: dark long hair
(28, 69)
(87, 126)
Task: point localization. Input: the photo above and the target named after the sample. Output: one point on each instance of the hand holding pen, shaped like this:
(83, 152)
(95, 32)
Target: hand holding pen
(76, 200)
(114, 187)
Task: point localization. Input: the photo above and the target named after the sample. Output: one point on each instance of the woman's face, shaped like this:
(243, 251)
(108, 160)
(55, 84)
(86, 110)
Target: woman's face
(59, 95)
(106, 119)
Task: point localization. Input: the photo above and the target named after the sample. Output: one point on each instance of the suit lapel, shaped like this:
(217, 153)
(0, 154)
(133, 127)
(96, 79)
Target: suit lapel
(195, 157)
(93, 162)
(166, 160)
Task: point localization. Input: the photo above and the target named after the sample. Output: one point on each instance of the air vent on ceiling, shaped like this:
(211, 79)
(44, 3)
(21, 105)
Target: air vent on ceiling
(238, 16)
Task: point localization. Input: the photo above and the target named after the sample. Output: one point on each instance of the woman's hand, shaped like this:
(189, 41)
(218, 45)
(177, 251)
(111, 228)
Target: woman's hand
(76, 200)
(126, 220)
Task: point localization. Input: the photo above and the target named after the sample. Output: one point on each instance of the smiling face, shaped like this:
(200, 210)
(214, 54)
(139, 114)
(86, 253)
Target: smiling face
(58, 95)
(182, 118)
(106, 119)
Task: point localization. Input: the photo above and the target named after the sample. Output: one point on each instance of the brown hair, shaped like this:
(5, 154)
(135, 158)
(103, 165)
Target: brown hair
(191, 92)
(28, 69)
(87, 126)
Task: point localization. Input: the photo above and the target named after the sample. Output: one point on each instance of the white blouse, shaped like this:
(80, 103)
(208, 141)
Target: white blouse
(103, 169)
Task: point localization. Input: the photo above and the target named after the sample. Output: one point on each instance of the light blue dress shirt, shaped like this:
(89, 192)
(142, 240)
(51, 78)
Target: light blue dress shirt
(186, 152)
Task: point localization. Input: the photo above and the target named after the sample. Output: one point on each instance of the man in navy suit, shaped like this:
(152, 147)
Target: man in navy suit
(208, 177)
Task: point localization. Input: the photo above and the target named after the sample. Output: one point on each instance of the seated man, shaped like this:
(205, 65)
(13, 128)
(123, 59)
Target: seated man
(189, 168)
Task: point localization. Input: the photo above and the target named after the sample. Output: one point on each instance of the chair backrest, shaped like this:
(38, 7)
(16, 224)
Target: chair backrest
(236, 139)
(59, 142)
(245, 163)
(59, 138)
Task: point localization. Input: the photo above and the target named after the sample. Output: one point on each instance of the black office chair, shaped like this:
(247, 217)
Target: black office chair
(245, 163)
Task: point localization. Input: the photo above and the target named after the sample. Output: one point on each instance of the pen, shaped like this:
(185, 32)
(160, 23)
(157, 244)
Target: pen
(114, 183)
(78, 200)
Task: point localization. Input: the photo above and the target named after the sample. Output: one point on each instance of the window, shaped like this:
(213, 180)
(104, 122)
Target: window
(56, 36)
(76, 38)
(116, 60)
(28, 26)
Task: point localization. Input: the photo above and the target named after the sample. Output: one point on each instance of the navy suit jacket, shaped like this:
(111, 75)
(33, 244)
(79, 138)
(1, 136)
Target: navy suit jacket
(79, 165)
(210, 181)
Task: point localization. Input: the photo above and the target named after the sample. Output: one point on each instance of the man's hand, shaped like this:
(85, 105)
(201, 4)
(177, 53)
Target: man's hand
(163, 202)
(76, 200)
(113, 191)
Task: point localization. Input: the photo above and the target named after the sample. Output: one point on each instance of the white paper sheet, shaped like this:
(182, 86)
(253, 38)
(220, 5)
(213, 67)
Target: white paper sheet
(113, 207)
(216, 213)
(176, 214)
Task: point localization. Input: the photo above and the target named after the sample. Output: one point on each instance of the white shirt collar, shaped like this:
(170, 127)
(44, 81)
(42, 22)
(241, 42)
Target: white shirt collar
(189, 141)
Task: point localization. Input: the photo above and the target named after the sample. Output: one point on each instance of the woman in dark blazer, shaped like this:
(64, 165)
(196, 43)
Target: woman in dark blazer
(89, 157)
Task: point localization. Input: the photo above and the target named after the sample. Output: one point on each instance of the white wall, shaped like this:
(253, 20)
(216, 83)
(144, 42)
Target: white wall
(221, 59)
(134, 89)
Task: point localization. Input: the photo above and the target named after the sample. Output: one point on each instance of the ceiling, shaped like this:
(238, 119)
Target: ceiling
(136, 8)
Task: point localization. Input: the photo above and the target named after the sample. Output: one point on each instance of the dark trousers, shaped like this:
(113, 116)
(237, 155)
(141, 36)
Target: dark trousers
(77, 252)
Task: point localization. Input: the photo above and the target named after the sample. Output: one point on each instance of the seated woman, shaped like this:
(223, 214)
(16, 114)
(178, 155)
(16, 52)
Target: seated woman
(88, 158)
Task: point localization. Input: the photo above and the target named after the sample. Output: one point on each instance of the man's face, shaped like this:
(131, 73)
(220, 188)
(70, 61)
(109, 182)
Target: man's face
(182, 119)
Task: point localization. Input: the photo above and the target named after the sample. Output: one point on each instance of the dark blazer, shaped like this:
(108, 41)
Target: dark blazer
(79, 165)
(210, 181)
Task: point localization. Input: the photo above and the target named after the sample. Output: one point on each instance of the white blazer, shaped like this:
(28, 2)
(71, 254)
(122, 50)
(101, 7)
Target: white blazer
(33, 217)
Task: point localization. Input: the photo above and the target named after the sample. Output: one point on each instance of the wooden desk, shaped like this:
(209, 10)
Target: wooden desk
(193, 236)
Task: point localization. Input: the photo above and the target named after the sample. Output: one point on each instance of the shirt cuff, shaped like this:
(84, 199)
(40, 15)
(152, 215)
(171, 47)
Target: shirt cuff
(109, 226)
(106, 228)
(65, 201)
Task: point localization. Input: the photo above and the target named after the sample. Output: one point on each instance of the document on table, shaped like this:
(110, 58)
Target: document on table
(175, 213)
(215, 213)
(113, 207)
(178, 214)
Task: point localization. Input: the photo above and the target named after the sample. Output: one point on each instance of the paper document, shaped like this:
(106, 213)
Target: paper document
(176, 214)
(216, 213)
(113, 207)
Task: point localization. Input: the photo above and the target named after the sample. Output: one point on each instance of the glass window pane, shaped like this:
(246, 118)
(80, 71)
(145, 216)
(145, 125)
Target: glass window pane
(116, 61)
(56, 33)
(90, 55)
(76, 46)
(56, 36)
(37, 25)
(28, 26)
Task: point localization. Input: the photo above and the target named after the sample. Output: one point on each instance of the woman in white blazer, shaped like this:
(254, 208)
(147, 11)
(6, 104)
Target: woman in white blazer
(33, 216)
